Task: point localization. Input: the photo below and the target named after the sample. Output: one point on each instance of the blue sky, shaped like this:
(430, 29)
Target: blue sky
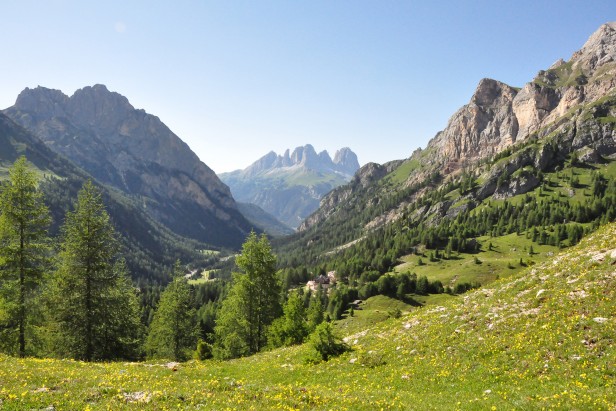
(237, 79)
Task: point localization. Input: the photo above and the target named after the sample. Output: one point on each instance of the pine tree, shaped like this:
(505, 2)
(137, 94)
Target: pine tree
(94, 303)
(24, 219)
(292, 327)
(174, 331)
(253, 301)
(315, 314)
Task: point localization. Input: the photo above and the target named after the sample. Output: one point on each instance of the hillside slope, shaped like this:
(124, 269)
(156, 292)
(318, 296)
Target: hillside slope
(149, 247)
(136, 153)
(545, 338)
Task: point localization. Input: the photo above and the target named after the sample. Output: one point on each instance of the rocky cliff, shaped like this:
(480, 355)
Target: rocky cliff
(136, 152)
(499, 115)
(290, 186)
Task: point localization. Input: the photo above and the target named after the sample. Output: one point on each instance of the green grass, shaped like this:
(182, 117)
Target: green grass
(506, 251)
(205, 277)
(402, 173)
(542, 339)
(373, 310)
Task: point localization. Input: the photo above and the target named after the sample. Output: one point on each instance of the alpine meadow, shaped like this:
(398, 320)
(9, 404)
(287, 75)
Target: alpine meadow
(478, 273)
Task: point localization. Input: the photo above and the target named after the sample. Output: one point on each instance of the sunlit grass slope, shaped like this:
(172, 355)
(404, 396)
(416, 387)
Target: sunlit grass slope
(542, 338)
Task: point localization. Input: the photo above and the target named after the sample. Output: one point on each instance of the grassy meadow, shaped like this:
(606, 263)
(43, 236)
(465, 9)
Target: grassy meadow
(542, 338)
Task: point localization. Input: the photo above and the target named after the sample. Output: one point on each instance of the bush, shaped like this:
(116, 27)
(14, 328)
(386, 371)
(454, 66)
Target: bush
(371, 359)
(395, 313)
(204, 351)
(326, 343)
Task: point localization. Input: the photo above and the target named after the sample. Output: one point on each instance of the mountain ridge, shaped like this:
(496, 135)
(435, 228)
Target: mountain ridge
(150, 248)
(137, 153)
(562, 104)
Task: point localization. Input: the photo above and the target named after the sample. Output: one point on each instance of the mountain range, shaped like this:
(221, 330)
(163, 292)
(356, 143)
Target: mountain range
(290, 186)
(135, 152)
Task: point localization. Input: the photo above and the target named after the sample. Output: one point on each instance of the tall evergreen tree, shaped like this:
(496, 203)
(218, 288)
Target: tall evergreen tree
(252, 304)
(174, 330)
(24, 219)
(95, 305)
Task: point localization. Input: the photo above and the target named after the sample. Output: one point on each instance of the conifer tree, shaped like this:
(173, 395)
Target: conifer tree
(24, 219)
(315, 314)
(252, 304)
(95, 305)
(292, 327)
(174, 330)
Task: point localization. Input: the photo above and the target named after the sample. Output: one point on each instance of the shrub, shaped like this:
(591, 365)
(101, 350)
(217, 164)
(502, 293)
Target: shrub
(326, 343)
(204, 351)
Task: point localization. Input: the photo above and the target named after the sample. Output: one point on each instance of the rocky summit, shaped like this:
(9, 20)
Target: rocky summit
(290, 186)
(137, 153)
(499, 115)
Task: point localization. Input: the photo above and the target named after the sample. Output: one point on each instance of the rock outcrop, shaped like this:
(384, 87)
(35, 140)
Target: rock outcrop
(499, 115)
(134, 151)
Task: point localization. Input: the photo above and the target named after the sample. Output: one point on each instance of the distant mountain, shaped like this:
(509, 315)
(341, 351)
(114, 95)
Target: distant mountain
(135, 152)
(290, 186)
(150, 248)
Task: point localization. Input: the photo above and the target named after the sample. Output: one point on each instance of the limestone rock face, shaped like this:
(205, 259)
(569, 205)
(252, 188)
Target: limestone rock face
(498, 115)
(136, 152)
(484, 126)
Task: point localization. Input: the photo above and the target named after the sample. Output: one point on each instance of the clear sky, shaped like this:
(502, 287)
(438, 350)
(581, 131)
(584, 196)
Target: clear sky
(237, 79)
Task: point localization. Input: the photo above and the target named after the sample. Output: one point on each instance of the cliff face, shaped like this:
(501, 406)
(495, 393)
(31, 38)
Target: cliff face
(134, 151)
(498, 115)
(290, 186)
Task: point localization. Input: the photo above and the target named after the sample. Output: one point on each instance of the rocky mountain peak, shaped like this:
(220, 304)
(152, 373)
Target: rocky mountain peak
(499, 115)
(492, 93)
(136, 152)
(599, 49)
(290, 186)
(42, 100)
(97, 106)
(346, 159)
(305, 156)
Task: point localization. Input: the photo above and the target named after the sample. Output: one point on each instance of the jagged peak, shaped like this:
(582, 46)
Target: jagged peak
(324, 156)
(557, 64)
(599, 49)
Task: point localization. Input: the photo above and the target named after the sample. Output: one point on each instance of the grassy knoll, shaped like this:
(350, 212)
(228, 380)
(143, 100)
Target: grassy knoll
(541, 338)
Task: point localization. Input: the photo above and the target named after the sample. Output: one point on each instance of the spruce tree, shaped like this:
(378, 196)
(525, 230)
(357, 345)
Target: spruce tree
(24, 219)
(253, 301)
(95, 305)
(174, 330)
